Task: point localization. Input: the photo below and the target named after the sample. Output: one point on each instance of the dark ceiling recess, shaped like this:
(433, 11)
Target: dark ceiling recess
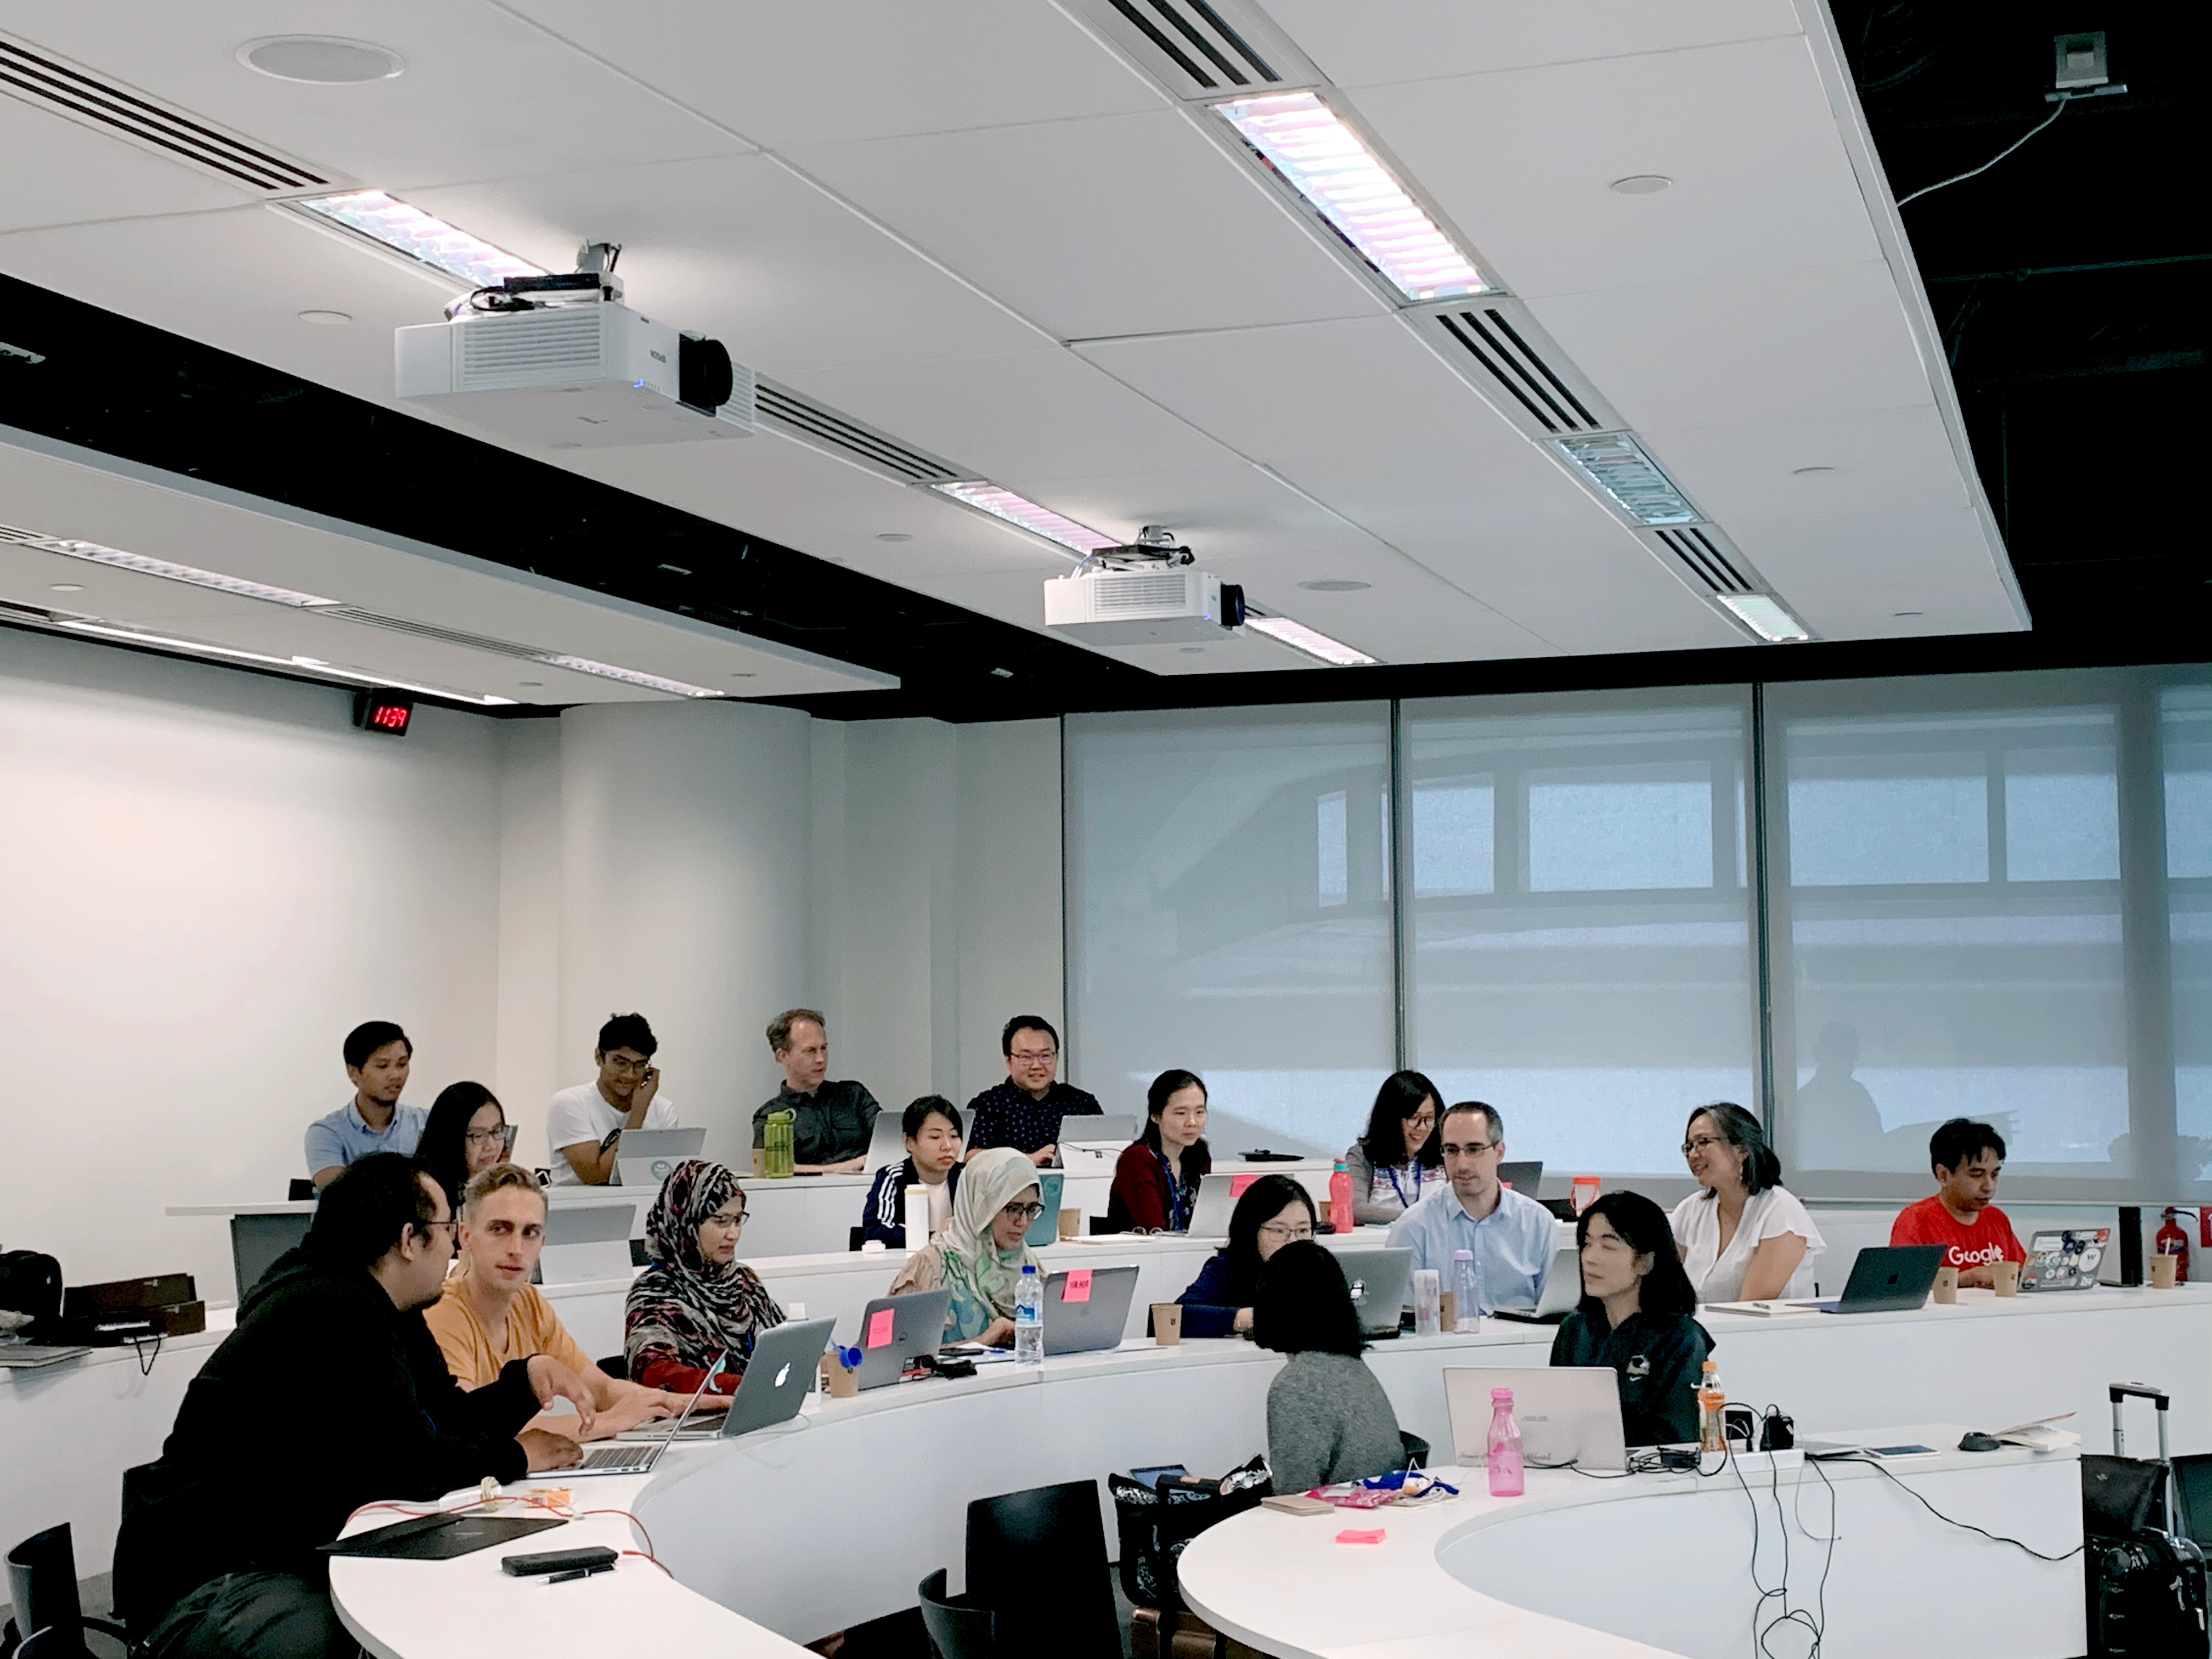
(2068, 281)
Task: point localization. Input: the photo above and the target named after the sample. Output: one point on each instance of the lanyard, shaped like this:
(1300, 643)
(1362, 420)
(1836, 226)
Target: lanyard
(1179, 1196)
(1403, 1202)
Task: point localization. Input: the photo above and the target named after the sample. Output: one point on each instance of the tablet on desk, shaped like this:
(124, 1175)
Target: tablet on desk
(440, 1537)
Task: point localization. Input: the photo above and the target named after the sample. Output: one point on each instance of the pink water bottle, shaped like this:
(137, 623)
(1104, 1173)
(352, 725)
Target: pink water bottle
(1504, 1456)
(1339, 1200)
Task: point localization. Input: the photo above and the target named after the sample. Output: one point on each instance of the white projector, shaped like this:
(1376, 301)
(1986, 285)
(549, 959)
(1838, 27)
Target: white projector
(1143, 607)
(594, 376)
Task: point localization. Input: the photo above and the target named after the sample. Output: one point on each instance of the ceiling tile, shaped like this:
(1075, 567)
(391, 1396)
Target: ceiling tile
(1522, 161)
(1882, 461)
(84, 174)
(1848, 579)
(1115, 225)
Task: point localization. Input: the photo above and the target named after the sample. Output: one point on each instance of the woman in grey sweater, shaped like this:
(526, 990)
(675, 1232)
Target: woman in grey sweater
(1328, 1418)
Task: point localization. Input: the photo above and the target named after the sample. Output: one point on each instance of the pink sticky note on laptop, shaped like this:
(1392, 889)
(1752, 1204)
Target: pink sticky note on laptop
(879, 1327)
(1078, 1288)
(1237, 1183)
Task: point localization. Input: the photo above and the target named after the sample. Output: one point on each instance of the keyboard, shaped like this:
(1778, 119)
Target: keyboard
(616, 1457)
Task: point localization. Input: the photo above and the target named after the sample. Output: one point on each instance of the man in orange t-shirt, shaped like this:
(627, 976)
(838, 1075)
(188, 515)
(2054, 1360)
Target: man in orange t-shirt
(1967, 1157)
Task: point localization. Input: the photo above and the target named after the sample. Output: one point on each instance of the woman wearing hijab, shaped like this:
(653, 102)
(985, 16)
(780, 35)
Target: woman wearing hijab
(697, 1302)
(980, 1255)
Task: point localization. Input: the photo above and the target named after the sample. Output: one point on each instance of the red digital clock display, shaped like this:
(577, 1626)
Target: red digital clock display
(381, 711)
(390, 716)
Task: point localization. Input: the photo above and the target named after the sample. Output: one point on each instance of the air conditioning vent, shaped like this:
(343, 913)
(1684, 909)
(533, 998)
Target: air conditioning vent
(51, 84)
(1706, 559)
(821, 428)
(432, 631)
(1497, 347)
(1203, 49)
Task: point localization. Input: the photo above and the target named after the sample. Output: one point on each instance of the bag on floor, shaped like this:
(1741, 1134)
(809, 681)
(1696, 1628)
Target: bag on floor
(1156, 1522)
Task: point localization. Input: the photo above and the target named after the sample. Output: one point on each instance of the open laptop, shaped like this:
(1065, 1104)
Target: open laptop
(894, 1329)
(1380, 1279)
(1114, 1129)
(887, 1141)
(1524, 1177)
(585, 1241)
(1892, 1278)
(1086, 1309)
(2065, 1259)
(1217, 1201)
(1568, 1414)
(1563, 1290)
(785, 1363)
(643, 1157)
(637, 1455)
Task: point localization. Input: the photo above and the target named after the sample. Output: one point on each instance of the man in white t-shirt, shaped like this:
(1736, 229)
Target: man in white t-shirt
(583, 1124)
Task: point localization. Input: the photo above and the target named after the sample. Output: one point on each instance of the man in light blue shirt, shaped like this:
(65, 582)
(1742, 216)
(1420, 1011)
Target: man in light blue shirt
(377, 1055)
(1510, 1235)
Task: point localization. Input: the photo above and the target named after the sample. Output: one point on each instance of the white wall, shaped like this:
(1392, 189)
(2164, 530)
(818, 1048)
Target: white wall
(207, 877)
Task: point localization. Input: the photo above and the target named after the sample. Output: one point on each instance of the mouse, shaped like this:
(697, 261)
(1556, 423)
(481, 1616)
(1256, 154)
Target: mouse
(1975, 1440)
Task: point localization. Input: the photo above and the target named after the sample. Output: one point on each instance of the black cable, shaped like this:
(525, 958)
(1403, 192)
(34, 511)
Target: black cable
(1964, 1526)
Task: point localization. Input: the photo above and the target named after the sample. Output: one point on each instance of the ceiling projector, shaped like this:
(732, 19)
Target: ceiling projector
(1145, 593)
(560, 360)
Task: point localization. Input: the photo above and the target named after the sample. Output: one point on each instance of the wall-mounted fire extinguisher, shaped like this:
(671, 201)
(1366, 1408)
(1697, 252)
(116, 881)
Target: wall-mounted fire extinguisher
(2172, 1241)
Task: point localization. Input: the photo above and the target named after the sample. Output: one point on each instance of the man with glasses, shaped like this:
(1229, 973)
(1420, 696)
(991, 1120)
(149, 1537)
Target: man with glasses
(1024, 1112)
(1510, 1235)
(833, 1119)
(329, 1394)
(584, 1125)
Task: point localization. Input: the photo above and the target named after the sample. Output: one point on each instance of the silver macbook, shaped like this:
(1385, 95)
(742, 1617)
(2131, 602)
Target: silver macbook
(643, 1157)
(1568, 1414)
(1217, 1202)
(1563, 1290)
(1097, 1129)
(894, 1329)
(635, 1453)
(1379, 1280)
(785, 1363)
(1086, 1309)
(887, 1141)
(2064, 1260)
(585, 1241)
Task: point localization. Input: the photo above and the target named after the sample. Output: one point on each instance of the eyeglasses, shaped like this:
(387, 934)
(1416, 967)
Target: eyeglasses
(1473, 1146)
(486, 1137)
(1024, 1213)
(725, 1219)
(628, 1067)
(1698, 1144)
(1285, 1234)
(1032, 1056)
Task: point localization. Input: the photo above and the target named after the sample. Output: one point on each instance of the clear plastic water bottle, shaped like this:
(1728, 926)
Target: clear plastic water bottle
(1029, 1319)
(1503, 1454)
(1466, 1307)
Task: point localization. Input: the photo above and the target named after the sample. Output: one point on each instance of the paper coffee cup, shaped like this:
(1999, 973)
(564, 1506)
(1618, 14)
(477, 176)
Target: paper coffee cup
(1447, 1311)
(2162, 1271)
(1946, 1284)
(1167, 1323)
(2007, 1277)
(836, 1381)
(1071, 1224)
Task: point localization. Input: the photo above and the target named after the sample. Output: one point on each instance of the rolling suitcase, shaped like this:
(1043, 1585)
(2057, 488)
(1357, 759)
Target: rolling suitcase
(2144, 1580)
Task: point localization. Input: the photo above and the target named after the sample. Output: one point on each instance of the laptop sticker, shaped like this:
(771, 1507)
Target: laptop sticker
(1078, 1288)
(879, 1327)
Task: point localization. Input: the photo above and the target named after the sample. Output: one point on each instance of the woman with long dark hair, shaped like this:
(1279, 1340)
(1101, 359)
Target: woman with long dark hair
(1637, 1315)
(1400, 1151)
(1328, 1416)
(1156, 1180)
(1744, 1237)
(1272, 1211)
(465, 1134)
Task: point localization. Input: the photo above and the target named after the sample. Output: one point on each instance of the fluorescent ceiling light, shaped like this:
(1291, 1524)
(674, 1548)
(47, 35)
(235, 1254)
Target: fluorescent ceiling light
(116, 559)
(607, 671)
(1323, 159)
(419, 235)
(1617, 465)
(1039, 520)
(1299, 637)
(313, 664)
(1766, 617)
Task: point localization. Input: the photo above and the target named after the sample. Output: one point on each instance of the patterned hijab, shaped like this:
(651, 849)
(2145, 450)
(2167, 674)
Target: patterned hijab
(982, 1277)
(683, 1303)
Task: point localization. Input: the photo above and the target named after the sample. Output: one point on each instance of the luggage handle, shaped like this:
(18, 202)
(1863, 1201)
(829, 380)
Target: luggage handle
(2121, 1392)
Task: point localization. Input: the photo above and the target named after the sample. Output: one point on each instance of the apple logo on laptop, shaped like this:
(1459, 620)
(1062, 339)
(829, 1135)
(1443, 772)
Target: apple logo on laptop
(781, 1375)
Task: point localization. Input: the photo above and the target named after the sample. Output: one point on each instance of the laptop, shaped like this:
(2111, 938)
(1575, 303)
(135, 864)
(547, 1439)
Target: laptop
(1522, 1177)
(887, 1142)
(1563, 1291)
(585, 1241)
(894, 1329)
(627, 1457)
(2065, 1259)
(1114, 1129)
(643, 1157)
(2192, 1490)
(1045, 1230)
(1893, 1279)
(1568, 1414)
(1086, 1309)
(1380, 1280)
(785, 1363)
(1217, 1201)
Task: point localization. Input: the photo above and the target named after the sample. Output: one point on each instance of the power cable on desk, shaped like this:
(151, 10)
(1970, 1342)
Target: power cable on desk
(1815, 1624)
(1964, 1526)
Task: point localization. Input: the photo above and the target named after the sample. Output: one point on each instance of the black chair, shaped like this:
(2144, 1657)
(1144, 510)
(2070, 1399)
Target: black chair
(854, 1237)
(616, 1366)
(957, 1630)
(42, 1584)
(1417, 1450)
(137, 1488)
(45, 1645)
(1037, 1560)
(299, 1192)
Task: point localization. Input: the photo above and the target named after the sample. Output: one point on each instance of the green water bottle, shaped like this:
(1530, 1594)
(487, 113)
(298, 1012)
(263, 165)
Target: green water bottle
(776, 1145)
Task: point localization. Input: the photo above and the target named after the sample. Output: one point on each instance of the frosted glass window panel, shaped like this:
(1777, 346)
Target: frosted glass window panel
(1633, 829)
(1227, 913)
(1915, 986)
(2185, 743)
(1455, 839)
(1598, 985)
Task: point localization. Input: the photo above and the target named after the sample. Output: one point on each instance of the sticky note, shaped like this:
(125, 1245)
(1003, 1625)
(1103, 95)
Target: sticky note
(879, 1327)
(1237, 1183)
(1078, 1288)
(1360, 1535)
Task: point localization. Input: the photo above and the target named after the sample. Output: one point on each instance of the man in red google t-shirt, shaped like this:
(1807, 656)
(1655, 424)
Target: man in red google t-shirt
(1967, 1157)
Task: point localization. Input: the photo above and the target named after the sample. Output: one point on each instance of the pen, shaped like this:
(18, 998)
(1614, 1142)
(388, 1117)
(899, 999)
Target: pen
(575, 1573)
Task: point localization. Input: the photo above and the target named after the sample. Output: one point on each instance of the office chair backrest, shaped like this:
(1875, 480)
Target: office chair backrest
(956, 1630)
(1037, 1558)
(42, 1584)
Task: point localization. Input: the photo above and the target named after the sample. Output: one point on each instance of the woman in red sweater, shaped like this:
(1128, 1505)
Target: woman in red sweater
(1156, 1180)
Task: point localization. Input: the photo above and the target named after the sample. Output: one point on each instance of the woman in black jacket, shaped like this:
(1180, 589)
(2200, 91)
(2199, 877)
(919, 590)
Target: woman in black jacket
(1637, 1315)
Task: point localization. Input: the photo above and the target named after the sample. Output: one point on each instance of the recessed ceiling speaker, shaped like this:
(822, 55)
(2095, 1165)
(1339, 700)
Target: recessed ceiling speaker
(325, 60)
(1335, 584)
(1641, 184)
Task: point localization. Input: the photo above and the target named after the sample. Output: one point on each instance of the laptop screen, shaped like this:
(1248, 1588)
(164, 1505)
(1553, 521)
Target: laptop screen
(2192, 1479)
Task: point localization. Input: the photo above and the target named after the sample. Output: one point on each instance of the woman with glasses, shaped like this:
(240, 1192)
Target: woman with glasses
(1272, 1211)
(697, 1303)
(465, 1134)
(1400, 1154)
(1156, 1181)
(1745, 1238)
(980, 1255)
(1635, 1315)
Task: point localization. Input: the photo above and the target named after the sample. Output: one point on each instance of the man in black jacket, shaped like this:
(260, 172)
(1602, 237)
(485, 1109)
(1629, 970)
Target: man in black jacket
(329, 1394)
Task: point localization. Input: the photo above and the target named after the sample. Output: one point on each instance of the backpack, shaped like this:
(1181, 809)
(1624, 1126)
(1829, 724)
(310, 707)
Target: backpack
(31, 1283)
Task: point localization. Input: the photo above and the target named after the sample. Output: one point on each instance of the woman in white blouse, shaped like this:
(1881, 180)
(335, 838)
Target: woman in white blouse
(1745, 1238)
